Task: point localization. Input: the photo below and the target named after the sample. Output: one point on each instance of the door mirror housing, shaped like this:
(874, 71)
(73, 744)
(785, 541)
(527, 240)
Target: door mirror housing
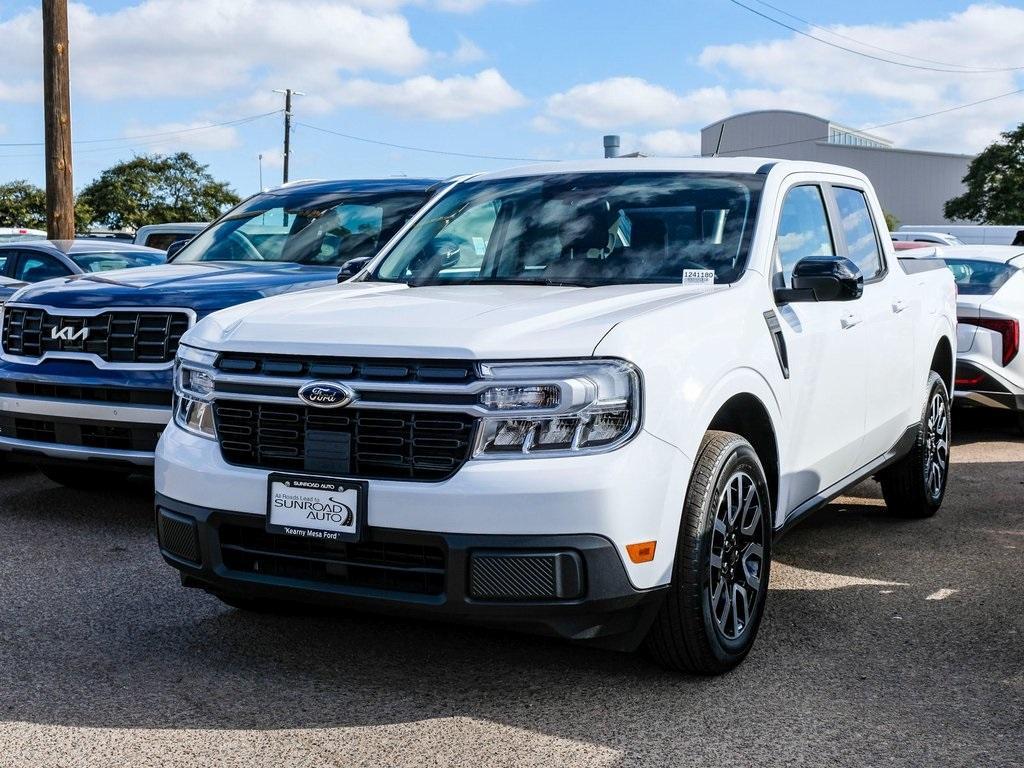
(823, 278)
(176, 246)
(352, 267)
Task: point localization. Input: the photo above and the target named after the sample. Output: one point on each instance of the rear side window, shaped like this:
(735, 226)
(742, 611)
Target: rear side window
(979, 278)
(35, 267)
(803, 229)
(163, 240)
(859, 230)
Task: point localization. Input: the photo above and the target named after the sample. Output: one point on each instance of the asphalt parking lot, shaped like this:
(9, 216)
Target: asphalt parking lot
(886, 643)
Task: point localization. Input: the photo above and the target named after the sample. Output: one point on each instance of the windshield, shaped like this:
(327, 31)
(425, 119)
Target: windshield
(582, 229)
(979, 278)
(303, 228)
(104, 261)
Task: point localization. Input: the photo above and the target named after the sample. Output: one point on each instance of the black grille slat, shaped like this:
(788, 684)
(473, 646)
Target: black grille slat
(395, 566)
(384, 444)
(115, 336)
(385, 370)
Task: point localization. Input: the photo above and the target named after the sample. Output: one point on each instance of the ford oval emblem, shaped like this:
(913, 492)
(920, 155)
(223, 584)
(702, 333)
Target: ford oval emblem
(326, 394)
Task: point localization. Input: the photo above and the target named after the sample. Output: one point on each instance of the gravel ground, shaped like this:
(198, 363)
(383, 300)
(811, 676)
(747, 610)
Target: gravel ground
(886, 643)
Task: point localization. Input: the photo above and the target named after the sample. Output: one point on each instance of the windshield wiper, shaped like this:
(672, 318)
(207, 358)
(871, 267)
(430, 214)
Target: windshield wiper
(498, 281)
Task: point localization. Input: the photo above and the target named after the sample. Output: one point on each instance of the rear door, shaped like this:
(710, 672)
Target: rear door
(827, 351)
(889, 312)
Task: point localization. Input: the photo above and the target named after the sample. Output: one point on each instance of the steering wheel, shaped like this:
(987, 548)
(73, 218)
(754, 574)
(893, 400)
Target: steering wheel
(240, 241)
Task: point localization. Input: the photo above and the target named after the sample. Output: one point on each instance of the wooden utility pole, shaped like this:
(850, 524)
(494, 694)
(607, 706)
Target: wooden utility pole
(60, 200)
(288, 93)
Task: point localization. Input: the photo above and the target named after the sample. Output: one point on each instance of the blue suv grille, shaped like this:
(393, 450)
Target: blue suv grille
(116, 336)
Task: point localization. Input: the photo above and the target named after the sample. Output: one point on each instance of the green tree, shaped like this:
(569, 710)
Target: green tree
(153, 189)
(891, 222)
(995, 184)
(23, 204)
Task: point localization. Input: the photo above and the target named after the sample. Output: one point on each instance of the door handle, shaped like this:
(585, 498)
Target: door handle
(850, 320)
(899, 305)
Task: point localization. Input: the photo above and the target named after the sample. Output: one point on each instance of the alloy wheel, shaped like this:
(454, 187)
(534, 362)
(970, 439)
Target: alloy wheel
(737, 555)
(937, 430)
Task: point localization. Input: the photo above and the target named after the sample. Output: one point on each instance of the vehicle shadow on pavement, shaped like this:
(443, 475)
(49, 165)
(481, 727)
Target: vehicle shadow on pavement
(883, 638)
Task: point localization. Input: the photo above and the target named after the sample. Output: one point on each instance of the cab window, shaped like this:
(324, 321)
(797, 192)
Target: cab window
(803, 229)
(859, 230)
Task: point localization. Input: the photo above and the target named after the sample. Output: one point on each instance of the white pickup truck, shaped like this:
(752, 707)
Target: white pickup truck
(580, 399)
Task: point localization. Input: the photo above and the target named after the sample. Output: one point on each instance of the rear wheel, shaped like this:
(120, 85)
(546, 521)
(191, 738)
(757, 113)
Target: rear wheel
(914, 486)
(84, 478)
(714, 607)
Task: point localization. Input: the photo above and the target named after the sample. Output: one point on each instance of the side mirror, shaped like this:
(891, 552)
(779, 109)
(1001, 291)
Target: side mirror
(823, 278)
(176, 246)
(352, 267)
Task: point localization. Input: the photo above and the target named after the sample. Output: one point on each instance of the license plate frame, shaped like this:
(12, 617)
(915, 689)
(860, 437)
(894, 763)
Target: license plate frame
(315, 489)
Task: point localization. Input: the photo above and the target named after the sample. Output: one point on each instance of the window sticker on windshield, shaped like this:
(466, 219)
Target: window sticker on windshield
(480, 246)
(699, 276)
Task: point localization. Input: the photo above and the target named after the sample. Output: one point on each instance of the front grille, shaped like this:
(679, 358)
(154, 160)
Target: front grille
(86, 434)
(116, 336)
(119, 395)
(349, 369)
(356, 442)
(386, 565)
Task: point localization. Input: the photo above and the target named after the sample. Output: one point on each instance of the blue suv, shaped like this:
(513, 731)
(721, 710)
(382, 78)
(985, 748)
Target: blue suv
(87, 361)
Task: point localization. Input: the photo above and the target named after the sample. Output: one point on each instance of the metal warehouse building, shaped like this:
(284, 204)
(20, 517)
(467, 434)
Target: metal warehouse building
(911, 184)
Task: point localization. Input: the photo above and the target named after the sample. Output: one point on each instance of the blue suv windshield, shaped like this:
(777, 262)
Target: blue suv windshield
(302, 228)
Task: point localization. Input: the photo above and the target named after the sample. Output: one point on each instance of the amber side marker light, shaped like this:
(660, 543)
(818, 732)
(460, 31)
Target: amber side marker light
(642, 552)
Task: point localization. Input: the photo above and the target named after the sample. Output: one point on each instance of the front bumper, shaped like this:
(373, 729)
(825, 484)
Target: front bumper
(630, 495)
(569, 586)
(72, 412)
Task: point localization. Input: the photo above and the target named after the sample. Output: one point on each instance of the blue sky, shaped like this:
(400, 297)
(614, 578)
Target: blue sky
(516, 78)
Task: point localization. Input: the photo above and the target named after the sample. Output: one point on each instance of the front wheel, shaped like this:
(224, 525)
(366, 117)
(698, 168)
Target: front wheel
(711, 615)
(913, 487)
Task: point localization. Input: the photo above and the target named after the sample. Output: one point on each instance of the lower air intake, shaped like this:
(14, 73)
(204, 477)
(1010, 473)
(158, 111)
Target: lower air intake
(178, 536)
(517, 576)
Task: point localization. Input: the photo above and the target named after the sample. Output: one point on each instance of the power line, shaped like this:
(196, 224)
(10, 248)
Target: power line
(420, 149)
(854, 51)
(237, 121)
(883, 125)
(812, 25)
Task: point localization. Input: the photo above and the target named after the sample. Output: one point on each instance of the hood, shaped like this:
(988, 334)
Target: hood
(394, 320)
(204, 287)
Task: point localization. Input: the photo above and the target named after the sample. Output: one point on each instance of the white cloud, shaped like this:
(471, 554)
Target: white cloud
(196, 135)
(669, 141)
(467, 52)
(875, 92)
(160, 48)
(626, 101)
(452, 98)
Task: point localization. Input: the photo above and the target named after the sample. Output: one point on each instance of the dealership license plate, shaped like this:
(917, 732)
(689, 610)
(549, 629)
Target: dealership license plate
(316, 507)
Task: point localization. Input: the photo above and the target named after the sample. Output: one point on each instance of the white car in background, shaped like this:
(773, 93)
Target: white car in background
(939, 238)
(990, 307)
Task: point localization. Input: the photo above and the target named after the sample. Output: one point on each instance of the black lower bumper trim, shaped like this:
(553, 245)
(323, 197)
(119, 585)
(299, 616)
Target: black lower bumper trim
(418, 573)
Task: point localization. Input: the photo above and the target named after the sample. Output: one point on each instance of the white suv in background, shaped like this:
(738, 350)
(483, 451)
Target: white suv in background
(990, 308)
(581, 399)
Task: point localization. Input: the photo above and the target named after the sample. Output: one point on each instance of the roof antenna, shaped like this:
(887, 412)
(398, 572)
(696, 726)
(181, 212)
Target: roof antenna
(718, 146)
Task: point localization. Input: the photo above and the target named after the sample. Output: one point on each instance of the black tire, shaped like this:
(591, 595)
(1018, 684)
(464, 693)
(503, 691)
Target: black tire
(85, 479)
(687, 634)
(1020, 421)
(914, 486)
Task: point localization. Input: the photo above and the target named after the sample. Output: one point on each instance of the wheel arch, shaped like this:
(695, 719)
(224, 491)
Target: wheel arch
(943, 362)
(745, 414)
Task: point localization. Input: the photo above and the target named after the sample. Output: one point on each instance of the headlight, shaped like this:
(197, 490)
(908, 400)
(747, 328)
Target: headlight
(193, 391)
(577, 407)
